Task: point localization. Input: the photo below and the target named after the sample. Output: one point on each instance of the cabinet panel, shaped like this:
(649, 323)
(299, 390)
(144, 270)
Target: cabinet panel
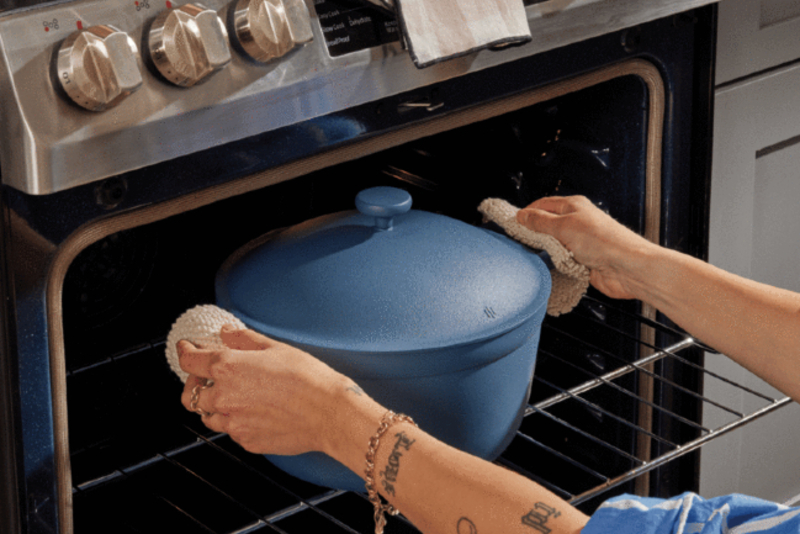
(776, 218)
(755, 224)
(755, 35)
(750, 116)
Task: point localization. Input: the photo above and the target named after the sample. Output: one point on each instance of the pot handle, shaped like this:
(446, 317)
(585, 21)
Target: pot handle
(383, 203)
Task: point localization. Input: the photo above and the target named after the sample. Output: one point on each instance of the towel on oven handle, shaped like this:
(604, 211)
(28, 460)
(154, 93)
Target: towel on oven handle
(691, 514)
(437, 30)
(570, 278)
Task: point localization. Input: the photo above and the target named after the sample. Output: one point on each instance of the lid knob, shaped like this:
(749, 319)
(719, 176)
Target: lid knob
(383, 203)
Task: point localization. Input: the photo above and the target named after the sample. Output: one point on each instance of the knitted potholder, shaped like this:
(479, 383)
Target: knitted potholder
(200, 325)
(570, 279)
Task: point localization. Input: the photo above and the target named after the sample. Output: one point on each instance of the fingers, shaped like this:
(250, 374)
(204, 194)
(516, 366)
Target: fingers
(196, 361)
(547, 214)
(186, 396)
(555, 205)
(201, 401)
(244, 339)
(538, 220)
(541, 215)
(217, 422)
(560, 205)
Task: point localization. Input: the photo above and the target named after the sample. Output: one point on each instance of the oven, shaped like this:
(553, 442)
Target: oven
(116, 219)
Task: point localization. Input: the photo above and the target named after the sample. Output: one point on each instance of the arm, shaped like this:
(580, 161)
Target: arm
(272, 398)
(443, 490)
(756, 325)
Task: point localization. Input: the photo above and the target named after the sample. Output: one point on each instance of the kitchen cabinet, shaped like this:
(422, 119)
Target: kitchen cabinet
(755, 35)
(755, 225)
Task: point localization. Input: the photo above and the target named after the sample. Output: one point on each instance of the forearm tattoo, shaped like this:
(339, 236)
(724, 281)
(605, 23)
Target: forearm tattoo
(537, 518)
(465, 526)
(356, 389)
(389, 473)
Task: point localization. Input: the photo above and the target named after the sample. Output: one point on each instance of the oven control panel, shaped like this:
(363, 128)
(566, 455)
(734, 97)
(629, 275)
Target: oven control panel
(187, 44)
(91, 89)
(267, 29)
(353, 25)
(98, 66)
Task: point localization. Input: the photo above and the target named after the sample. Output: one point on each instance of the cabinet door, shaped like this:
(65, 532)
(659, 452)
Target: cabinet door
(755, 35)
(755, 232)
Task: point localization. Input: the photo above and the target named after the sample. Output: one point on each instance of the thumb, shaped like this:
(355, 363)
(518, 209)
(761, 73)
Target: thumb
(537, 220)
(244, 339)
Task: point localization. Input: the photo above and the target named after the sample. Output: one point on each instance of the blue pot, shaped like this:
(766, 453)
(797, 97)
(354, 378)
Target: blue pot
(431, 316)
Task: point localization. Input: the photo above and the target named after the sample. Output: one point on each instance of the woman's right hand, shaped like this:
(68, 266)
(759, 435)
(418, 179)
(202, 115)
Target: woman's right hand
(755, 324)
(612, 252)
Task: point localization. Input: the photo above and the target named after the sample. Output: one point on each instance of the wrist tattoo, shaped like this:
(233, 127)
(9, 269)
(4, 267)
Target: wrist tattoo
(537, 518)
(389, 473)
(356, 389)
(465, 526)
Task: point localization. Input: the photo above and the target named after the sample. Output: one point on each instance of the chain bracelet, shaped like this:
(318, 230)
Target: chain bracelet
(388, 419)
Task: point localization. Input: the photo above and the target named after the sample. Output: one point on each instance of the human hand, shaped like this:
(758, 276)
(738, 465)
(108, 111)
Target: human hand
(611, 251)
(269, 397)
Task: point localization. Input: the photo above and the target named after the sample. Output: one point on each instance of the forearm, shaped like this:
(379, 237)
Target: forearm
(756, 325)
(443, 490)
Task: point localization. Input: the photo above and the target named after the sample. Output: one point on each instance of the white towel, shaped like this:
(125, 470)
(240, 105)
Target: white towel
(436, 30)
(570, 279)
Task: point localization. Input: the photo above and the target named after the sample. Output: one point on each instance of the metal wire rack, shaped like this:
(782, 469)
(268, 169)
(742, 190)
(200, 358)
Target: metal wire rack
(583, 436)
(674, 352)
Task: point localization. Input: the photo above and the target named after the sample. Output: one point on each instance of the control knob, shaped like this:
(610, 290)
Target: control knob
(98, 67)
(188, 44)
(268, 29)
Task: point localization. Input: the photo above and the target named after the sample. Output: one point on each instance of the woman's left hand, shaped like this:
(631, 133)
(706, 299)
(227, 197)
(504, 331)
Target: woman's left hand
(267, 396)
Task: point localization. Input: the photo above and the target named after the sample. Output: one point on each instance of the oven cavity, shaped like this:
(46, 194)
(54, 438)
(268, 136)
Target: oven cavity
(142, 461)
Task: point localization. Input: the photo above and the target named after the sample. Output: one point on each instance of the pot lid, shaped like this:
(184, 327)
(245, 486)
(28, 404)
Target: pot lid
(383, 278)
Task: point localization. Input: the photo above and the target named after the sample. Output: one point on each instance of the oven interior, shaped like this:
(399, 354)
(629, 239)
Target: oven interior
(140, 463)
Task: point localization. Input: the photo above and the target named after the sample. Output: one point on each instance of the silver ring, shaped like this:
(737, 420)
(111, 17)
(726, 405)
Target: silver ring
(196, 397)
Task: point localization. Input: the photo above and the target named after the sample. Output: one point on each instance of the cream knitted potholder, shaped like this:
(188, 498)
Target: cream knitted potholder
(201, 326)
(570, 279)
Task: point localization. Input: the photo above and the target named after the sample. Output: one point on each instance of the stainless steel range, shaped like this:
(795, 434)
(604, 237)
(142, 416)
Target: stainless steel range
(263, 65)
(136, 134)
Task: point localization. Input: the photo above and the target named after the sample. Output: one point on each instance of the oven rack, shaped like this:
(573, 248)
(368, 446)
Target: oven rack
(570, 440)
(674, 350)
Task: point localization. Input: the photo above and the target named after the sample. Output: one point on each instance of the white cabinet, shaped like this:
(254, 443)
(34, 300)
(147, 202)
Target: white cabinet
(755, 35)
(755, 224)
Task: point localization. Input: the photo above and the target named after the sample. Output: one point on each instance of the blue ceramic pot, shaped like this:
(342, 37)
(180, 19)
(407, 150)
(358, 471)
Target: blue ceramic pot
(431, 316)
